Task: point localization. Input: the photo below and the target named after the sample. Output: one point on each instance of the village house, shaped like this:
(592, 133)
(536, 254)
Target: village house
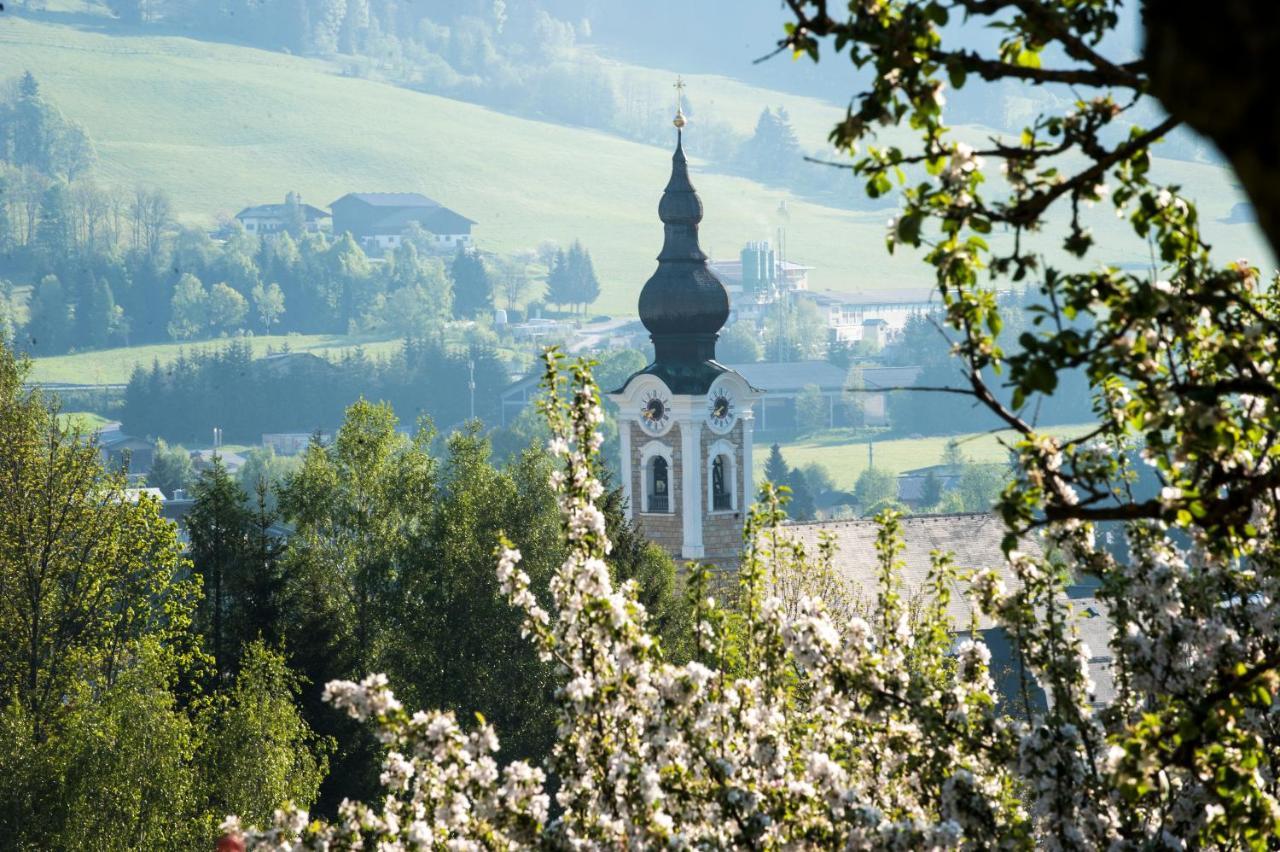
(267, 220)
(378, 220)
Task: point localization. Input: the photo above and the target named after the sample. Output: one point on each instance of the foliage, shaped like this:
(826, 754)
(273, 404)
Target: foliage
(472, 285)
(798, 749)
(171, 469)
(813, 410)
(571, 279)
(1178, 360)
(775, 467)
(874, 485)
(256, 749)
(304, 392)
(739, 344)
(106, 741)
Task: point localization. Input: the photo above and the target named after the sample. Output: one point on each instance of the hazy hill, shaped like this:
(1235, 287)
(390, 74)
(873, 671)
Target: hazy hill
(220, 127)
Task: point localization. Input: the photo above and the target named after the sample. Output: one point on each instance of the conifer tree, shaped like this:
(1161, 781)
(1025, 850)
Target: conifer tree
(585, 287)
(219, 527)
(775, 469)
(560, 289)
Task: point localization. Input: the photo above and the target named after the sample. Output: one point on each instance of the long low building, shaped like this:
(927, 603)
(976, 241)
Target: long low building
(852, 394)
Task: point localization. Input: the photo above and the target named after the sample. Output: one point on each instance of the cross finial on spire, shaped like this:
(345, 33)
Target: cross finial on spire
(679, 85)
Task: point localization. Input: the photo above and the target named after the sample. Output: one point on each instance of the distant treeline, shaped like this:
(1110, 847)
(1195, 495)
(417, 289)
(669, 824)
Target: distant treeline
(299, 392)
(113, 268)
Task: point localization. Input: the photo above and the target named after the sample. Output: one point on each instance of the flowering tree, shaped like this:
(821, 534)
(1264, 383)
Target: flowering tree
(877, 731)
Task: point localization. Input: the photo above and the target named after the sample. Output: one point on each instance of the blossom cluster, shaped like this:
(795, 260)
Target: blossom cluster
(879, 729)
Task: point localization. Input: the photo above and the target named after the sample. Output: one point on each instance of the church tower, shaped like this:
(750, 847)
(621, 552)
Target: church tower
(685, 420)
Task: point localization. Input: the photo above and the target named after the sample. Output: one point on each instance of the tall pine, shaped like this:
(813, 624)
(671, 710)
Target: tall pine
(560, 289)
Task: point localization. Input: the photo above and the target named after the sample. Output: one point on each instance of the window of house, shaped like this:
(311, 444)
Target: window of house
(659, 486)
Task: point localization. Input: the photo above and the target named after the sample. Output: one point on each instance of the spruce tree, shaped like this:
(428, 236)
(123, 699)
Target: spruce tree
(801, 507)
(584, 286)
(560, 289)
(219, 528)
(775, 469)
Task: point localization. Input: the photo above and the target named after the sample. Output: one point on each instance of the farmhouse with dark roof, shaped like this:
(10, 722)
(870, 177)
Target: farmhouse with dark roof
(378, 220)
(267, 220)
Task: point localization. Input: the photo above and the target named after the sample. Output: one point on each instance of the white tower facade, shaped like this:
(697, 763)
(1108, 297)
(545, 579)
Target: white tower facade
(685, 420)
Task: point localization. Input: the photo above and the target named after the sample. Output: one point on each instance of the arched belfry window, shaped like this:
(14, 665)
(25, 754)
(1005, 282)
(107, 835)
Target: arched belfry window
(721, 495)
(659, 485)
(722, 478)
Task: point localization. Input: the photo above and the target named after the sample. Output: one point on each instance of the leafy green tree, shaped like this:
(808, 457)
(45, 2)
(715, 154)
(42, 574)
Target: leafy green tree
(95, 570)
(931, 490)
(794, 330)
(98, 320)
(739, 344)
(979, 487)
(262, 468)
(268, 304)
(256, 750)
(464, 649)
(584, 287)
(227, 308)
(873, 486)
(813, 410)
(189, 308)
(54, 237)
(472, 285)
(171, 469)
(48, 330)
(348, 282)
(818, 477)
(773, 152)
(419, 295)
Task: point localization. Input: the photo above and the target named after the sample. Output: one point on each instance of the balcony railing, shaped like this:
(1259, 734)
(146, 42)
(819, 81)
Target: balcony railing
(659, 503)
(721, 502)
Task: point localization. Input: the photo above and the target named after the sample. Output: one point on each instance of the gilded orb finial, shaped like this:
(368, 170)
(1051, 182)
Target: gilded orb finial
(679, 121)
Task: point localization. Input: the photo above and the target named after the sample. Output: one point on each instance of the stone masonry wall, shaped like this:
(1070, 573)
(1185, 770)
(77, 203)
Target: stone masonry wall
(722, 531)
(664, 529)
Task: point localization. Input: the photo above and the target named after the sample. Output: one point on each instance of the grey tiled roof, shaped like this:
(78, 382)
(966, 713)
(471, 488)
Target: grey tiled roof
(973, 539)
(392, 199)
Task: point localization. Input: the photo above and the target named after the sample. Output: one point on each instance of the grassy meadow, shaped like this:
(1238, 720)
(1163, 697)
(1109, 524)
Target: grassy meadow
(845, 458)
(221, 126)
(114, 366)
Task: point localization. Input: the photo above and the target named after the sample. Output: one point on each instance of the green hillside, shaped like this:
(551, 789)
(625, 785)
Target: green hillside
(220, 127)
(845, 459)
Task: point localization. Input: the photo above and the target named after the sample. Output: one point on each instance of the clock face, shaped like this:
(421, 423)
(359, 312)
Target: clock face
(655, 411)
(720, 409)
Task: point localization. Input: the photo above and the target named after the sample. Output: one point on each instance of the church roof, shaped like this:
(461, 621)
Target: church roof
(683, 304)
(973, 538)
(974, 541)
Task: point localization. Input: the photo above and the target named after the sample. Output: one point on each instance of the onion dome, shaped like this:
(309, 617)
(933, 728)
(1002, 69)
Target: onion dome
(683, 305)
